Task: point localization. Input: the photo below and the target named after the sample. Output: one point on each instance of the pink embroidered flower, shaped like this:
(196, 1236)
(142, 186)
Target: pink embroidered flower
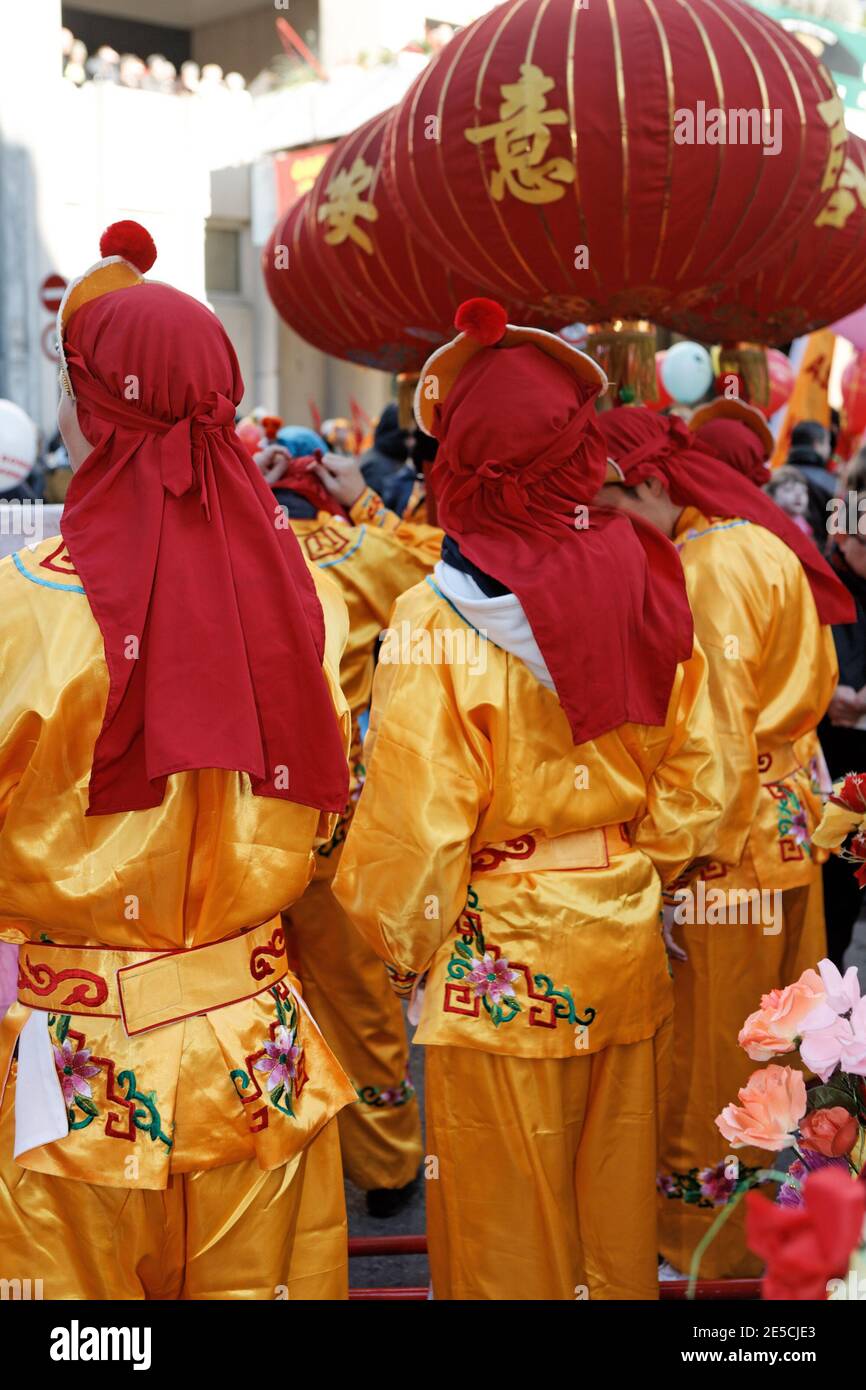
(800, 827)
(716, 1184)
(492, 978)
(74, 1070)
(280, 1060)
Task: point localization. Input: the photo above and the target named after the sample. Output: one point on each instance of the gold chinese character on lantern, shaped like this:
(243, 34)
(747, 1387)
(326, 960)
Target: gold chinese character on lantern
(522, 138)
(345, 206)
(832, 113)
(849, 191)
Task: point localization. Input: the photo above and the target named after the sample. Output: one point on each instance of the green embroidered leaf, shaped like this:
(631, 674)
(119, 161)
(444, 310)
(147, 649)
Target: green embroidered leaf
(275, 1094)
(63, 1027)
(86, 1105)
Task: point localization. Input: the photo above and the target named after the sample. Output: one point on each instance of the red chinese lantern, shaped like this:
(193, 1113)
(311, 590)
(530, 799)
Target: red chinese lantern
(370, 254)
(307, 297)
(570, 155)
(813, 278)
(853, 387)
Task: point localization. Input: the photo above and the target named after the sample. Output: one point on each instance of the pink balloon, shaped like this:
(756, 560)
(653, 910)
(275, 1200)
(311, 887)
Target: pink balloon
(251, 437)
(782, 379)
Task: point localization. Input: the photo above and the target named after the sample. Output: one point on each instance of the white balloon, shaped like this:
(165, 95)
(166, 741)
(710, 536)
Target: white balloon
(17, 445)
(687, 372)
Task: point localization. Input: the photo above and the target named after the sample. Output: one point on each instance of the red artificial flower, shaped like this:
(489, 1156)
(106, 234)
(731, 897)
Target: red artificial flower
(831, 1131)
(852, 793)
(807, 1245)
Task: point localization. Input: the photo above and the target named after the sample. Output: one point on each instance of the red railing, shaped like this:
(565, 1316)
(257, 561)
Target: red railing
(726, 1289)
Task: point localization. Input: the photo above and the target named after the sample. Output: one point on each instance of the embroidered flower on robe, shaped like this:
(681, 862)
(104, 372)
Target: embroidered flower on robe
(280, 1060)
(492, 978)
(74, 1070)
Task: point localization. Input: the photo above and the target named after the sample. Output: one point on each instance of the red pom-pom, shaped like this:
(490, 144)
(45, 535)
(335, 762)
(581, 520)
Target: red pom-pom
(482, 319)
(131, 241)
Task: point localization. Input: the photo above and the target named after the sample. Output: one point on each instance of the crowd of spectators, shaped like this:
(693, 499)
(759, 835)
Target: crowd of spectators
(155, 73)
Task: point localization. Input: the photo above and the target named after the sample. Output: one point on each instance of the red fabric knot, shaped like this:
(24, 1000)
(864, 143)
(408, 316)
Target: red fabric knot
(183, 462)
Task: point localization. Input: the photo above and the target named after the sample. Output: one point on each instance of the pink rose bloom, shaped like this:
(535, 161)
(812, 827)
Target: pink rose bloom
(772, 1104)
(773, 1028)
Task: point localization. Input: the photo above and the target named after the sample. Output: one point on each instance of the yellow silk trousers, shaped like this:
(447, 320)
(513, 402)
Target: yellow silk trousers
(543, 1185)
(234, 1232)
(729, 967)
(347, 990)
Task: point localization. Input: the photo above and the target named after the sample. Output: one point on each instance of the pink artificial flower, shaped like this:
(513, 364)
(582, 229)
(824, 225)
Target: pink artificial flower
(772, 1104)
(853, 1058)
(74, 1070)
(821, 1048)
(280, 1060)
(842, 994)
(492, 978)
(773, 1028)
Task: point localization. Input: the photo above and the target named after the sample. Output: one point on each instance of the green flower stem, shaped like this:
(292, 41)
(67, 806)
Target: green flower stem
(763, 1175)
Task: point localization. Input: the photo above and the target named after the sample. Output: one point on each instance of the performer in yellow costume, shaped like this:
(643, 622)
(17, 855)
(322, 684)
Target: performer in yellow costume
(527, 792)
(172, 746)
(761, 603)
(345, 984)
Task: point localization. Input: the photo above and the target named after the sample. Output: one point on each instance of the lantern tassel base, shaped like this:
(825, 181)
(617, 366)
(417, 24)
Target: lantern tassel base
(625, 349)
(748, 361)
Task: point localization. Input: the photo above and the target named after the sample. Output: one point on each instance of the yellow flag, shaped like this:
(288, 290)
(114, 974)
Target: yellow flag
(809, 400)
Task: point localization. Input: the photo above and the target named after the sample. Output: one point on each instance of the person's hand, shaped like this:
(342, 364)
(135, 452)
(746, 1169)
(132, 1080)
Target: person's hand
(674, 951)
(846, 707)
(341, 476)
(272, 462)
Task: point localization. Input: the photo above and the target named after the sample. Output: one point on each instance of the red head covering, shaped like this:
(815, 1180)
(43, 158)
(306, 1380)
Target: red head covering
(519, 460)
(296, 477)
(735, 444)
(646, 445)
(212, 628)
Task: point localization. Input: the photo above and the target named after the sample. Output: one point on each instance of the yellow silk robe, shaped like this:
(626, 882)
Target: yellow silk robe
(209, 863)
(772, 671)
(344, 982)
(473, 788)
(524, 874)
